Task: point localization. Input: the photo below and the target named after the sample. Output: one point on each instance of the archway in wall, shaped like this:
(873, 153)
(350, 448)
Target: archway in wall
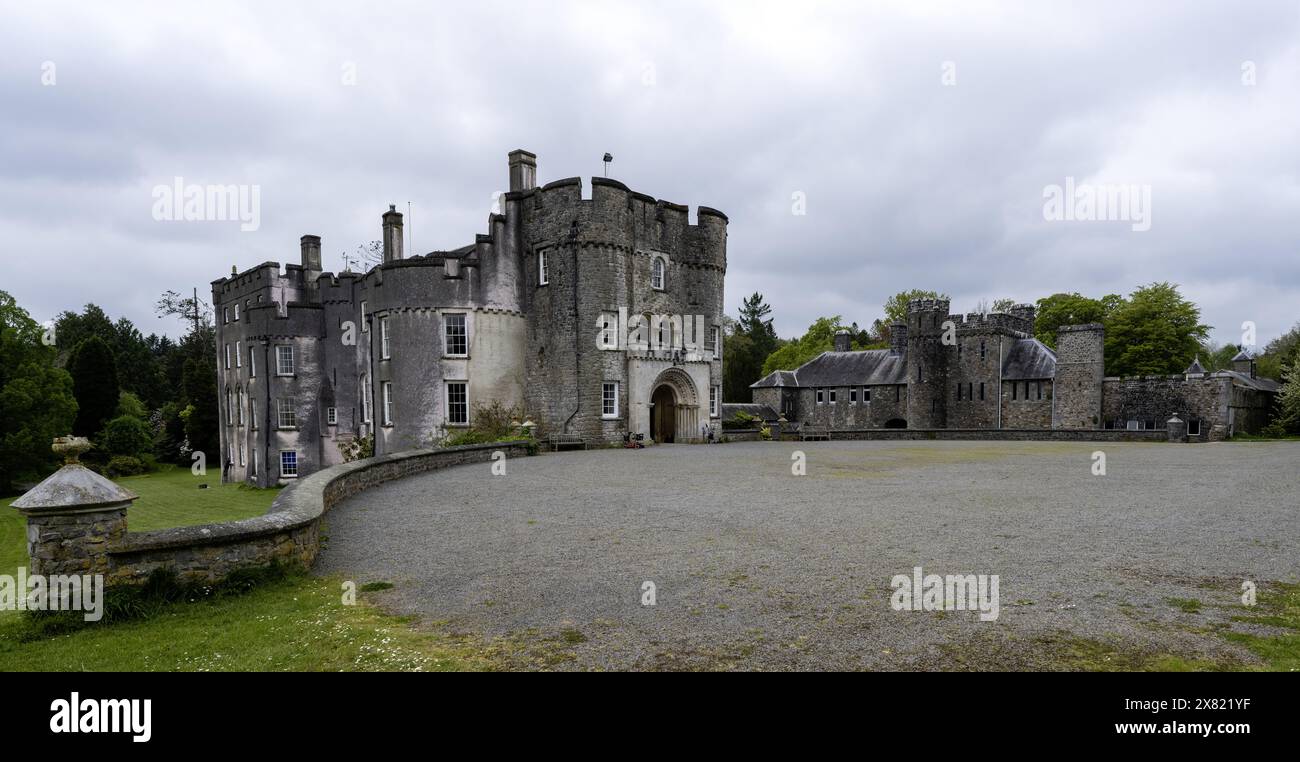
(674, 407)
(663, 414)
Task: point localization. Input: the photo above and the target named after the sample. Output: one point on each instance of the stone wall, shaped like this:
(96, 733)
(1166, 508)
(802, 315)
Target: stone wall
(1044, 435)
(287, 533)
(1079, 373)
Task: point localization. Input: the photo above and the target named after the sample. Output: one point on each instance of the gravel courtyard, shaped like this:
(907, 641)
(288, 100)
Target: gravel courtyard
(756, 568)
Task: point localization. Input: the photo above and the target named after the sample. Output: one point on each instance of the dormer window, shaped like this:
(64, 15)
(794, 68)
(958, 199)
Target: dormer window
(657, 274)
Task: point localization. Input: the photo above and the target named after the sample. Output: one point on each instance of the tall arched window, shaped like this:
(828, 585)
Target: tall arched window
(239, 394)
(657, 273)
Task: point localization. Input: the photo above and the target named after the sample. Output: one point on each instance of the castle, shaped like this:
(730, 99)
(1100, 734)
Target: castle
(987, 371)
(594, 317)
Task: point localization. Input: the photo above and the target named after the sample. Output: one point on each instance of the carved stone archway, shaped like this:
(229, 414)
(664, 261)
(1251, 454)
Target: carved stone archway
(674, 407)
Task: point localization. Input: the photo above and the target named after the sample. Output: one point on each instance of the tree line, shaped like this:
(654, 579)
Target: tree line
(141, 400)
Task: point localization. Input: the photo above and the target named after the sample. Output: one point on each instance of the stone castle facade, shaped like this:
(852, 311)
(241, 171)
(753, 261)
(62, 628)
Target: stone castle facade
(592, 316)
(987, 371)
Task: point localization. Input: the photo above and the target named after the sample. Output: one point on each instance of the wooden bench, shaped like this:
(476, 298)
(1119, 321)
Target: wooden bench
(566, 440)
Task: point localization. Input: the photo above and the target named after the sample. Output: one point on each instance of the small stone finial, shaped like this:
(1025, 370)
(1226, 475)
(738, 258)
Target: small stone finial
(233, 271)
(71, 448)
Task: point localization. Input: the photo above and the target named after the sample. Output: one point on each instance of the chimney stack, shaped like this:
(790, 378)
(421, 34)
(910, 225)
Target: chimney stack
(843, 340)
(392, 234)
(898, 338)
(523, 170)
(310, 245)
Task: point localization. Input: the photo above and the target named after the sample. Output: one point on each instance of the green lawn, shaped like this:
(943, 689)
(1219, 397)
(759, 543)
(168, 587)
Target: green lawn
(169, 497)
(295, 624)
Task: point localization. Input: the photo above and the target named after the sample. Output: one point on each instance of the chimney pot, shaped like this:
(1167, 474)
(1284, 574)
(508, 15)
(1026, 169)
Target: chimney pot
(523, 170)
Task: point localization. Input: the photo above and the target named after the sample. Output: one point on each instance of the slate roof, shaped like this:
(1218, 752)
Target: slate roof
(1242, 355)
(765, 412)
(775, 378)
(1029, 359)
(1259, 382)
(865, 367)
(1195, 367)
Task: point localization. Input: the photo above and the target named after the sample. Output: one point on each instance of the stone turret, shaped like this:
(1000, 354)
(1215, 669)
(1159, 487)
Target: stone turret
(927, 364)
(1079, 373)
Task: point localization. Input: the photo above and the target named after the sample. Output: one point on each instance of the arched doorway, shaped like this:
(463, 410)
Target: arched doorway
(663, 414)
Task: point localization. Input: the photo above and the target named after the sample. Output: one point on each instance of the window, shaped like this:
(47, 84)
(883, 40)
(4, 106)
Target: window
(288, 463)
(898, 392)
(331, 416)
(225, 315)
(284, 360)
(543, 277)
(982, 352)
(229, 408)
(1194, 427)
(253, 471)
(252, 361)
(286, 416)
(832, 396)
(227, 357)
(239, 354)
(821, 396)
(608, 399)
(657, 274)
(383, 338)
(365, 398)
(715, 401)
(959, 391)
(237, 320)
(1039, 389)
(240, 396)
(387, 388)
(981, 390)
(457, 335)
(1026, 391)
(866, 394)
(853, 396)
(608, 330)
(959, 350)
(1013, 390)
(918, 374)
(241, 444)
(457, 403)
(252, 413)
(714, 335)
(969, 389)
(365, 326)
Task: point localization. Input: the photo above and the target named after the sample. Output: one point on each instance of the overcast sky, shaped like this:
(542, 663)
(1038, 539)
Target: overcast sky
(920, 138)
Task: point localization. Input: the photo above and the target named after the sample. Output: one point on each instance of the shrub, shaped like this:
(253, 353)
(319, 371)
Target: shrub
(356, 449)
(126, 435)
(125, 465)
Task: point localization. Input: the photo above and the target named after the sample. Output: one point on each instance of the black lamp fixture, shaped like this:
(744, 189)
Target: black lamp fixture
(608, 158)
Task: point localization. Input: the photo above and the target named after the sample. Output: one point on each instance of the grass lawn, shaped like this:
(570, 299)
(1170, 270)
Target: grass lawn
(295, 624)
(169, 497)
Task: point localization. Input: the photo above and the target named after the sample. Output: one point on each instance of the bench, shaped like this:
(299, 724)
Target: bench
(807, 433)
(556, 441)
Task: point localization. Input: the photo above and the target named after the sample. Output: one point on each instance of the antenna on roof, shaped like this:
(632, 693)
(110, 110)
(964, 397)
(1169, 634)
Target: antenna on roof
(608, 158)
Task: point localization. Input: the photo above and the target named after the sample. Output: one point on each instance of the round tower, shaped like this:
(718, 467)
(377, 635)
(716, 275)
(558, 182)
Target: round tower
(927, 364)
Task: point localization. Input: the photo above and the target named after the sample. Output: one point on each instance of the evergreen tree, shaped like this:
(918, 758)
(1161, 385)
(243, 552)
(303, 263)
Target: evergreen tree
(94, 384)
(36, 401)
(202, 412)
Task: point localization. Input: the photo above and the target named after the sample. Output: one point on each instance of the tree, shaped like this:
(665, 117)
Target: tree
(1277, 353)
(819, 338)
(755, 323)
(36, 401)
(1070, 309)
(1288, 398)
(94, 384)
(201, 414)
(126, 435)
(741, 366)
(1154, 332)
(896, 305)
